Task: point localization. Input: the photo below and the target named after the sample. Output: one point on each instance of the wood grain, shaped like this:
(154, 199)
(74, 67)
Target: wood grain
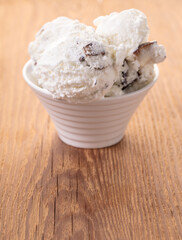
(49, 190)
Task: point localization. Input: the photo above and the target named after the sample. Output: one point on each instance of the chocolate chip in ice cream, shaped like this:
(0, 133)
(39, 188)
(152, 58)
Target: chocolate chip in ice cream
(129, 85)
(149, 53)
(91, 50)
(94, 49)
(82, 59)
(139, 73)
(144, 46)
(99, 68)
(124, 76)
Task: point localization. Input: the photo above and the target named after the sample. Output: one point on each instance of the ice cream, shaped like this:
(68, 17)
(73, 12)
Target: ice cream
(137, 69)
(71, 61)
(128, 28)
(77, 63)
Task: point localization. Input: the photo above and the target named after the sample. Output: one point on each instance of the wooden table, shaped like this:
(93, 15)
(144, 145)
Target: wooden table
(49, 190)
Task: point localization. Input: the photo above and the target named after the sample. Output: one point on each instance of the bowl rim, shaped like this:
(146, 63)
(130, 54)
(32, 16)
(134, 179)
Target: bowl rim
(46, 93)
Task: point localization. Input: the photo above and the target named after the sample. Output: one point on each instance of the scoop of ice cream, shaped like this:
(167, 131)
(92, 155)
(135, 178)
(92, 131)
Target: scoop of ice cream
(137, 69)
(128, 28)
(59, 29)
(71, 61)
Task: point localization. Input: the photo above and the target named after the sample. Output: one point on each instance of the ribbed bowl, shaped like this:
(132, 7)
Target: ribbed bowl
(98, 124)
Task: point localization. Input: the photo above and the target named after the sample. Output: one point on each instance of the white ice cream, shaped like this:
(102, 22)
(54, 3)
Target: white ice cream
(128, 28)
(71, 61)
(77, 63)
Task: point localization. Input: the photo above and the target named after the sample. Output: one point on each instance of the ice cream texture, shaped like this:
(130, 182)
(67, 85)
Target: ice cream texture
(77, 63)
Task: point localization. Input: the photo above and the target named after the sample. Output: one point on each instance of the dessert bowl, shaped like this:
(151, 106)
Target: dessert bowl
(97, 124)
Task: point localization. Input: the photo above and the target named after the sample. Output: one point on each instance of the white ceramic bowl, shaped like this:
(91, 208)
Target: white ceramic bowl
(98, 124)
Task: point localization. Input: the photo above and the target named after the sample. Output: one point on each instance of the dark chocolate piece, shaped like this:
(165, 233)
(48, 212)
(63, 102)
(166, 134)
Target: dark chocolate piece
(94, 49)
(99, 68)
(82, 59)
(143, 46)
(124, 75)
(139, 73)
(130, 84)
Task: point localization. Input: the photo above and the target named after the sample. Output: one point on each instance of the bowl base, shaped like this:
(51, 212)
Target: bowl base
(91, 145)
